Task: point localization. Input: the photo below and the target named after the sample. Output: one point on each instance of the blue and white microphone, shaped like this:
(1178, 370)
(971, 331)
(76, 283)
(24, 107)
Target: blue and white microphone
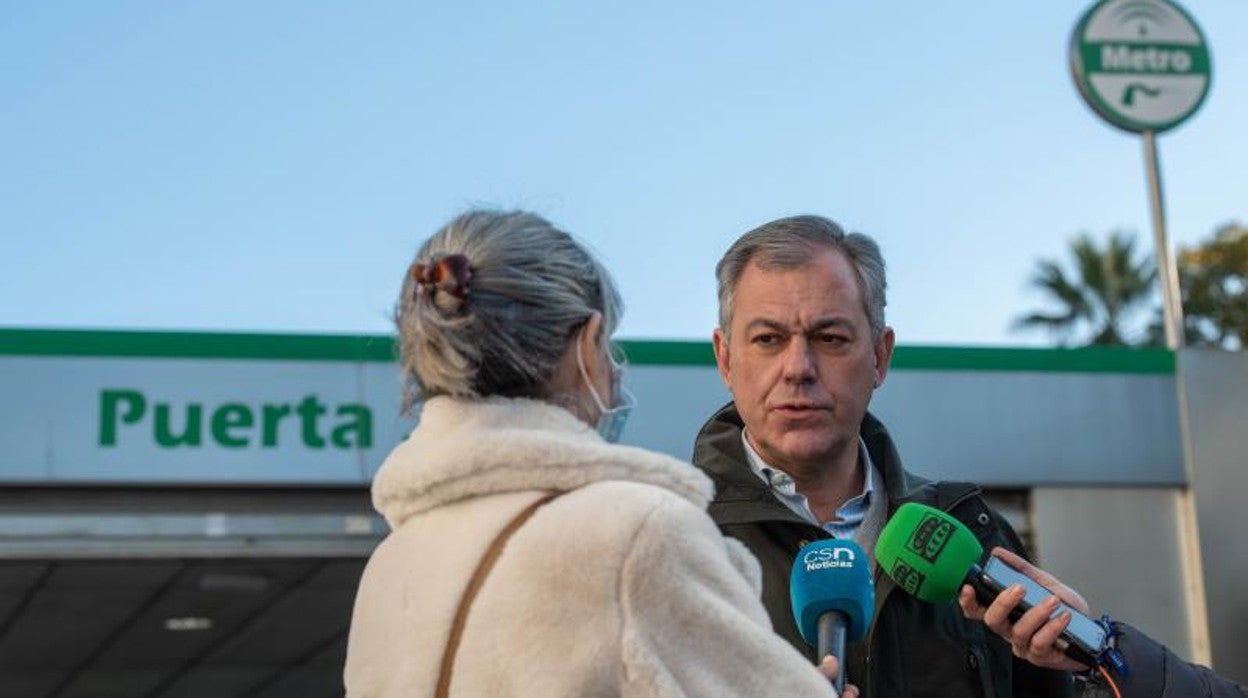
(833, 598)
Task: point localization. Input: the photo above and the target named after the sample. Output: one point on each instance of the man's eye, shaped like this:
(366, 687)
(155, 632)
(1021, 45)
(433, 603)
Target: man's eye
(832, 340)
(766, 339)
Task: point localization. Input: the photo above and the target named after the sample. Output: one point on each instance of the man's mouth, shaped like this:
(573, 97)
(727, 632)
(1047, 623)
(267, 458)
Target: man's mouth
(798, 408)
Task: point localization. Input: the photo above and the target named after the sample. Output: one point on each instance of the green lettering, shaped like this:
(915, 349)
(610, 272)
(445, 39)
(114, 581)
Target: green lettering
(109, 401)
(229, 417)
(309, 411)
(361, 425)
(191, 434)
(272, 416)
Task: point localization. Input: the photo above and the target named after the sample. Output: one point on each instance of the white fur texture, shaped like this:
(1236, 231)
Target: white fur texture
(622, 587)
(530, 445)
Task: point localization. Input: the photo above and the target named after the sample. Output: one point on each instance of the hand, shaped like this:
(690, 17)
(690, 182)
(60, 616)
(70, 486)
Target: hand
(1033, 635)
(828, 667)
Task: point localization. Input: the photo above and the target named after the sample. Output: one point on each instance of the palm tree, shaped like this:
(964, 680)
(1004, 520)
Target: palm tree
(1107, 287)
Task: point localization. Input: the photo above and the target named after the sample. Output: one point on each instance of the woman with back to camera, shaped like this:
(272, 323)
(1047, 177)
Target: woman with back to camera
(529, 555)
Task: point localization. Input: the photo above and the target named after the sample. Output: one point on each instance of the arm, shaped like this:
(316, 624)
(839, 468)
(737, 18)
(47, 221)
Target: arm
(693, 623)
(1155, 672)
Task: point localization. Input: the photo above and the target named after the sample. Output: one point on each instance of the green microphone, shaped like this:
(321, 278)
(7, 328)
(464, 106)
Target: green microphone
(927, 552)
(931, 555)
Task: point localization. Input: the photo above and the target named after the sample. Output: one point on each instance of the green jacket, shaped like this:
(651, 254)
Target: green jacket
(913, 648)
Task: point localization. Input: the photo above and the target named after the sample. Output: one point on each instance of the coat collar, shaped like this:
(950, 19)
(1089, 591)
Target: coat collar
(741, 497)
(469, 447)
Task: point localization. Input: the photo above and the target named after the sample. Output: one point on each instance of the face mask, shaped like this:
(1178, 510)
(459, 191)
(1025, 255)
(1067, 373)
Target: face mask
(610, 419)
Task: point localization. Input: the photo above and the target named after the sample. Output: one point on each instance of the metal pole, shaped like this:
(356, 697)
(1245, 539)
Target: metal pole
(1167, 272)
(1172, 307)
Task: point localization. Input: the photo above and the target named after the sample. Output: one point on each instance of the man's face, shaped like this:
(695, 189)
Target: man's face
(800, 360)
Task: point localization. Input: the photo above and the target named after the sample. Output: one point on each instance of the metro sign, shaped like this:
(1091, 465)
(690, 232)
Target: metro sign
(1143, 65)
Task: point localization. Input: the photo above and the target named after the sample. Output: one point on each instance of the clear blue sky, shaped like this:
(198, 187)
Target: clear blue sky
(273, 165)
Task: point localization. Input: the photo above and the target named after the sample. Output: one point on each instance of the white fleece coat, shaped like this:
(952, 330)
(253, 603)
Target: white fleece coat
(623, 587)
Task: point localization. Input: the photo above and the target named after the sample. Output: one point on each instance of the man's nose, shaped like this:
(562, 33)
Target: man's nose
(799, 365)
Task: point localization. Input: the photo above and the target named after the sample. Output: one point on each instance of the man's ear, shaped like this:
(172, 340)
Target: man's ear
(720, 343)
(883, 354)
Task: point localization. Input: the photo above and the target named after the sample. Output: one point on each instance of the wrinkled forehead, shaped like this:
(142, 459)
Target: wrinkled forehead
(825, 276)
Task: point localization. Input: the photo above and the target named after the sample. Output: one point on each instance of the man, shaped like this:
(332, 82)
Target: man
(795, 457)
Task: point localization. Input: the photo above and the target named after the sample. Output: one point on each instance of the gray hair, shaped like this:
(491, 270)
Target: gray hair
(532, 287)
(788, 243)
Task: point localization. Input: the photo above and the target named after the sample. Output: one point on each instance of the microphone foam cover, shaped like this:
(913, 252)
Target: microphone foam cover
(832, 575)
(927, 552)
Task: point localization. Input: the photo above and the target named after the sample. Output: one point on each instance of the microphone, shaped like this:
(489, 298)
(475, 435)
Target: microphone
(931, 555)
(832, 596)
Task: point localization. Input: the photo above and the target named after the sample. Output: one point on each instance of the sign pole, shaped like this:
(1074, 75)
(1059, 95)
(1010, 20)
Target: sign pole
(1144, 66)
(1167, 270)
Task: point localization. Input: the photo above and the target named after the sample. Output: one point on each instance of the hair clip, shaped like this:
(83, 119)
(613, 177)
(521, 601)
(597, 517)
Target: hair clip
(450, 273)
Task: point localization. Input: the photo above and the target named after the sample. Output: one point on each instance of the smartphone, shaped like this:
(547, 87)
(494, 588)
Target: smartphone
(1084, 637)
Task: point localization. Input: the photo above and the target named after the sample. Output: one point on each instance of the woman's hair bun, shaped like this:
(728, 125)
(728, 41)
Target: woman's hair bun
(490, 303)
(447, 275)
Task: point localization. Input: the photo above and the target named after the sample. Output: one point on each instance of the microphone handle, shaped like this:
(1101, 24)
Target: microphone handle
(987, 589)
(831, 640)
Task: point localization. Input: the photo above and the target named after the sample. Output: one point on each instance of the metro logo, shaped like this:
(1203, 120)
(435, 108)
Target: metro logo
(1143, 65)
(930, 537)
(233, 424)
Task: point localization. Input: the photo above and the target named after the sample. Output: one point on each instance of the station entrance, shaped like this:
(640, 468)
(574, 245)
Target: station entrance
(179, 593)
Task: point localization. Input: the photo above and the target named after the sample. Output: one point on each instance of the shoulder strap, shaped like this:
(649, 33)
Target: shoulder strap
(474, 585)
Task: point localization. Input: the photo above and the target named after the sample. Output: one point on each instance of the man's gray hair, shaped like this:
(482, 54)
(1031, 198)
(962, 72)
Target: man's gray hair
(789, 243)
(532, 287)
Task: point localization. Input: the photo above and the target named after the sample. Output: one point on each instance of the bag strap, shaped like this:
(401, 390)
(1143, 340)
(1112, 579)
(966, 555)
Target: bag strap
(474, 586)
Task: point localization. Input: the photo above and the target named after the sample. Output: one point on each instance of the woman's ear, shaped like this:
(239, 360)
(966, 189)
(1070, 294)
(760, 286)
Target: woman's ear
(589, 344)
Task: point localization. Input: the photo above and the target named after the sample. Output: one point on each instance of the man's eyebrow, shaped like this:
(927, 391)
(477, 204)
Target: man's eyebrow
(768, 323)
(835, 321)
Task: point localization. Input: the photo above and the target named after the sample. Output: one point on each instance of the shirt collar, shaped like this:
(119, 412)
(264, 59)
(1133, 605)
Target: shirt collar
(783, 484)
